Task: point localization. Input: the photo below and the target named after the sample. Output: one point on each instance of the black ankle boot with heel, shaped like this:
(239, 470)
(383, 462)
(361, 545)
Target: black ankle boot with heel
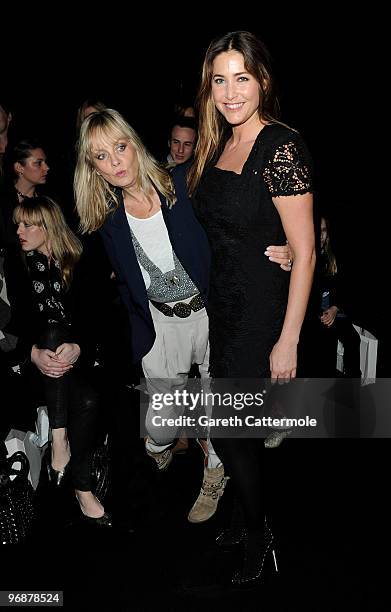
(259, 553)
(236, 533)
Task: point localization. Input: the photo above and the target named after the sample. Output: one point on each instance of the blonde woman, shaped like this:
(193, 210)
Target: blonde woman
(54, 335)
(161, 259)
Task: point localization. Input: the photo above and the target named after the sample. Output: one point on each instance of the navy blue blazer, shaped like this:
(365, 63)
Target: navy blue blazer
(189, 242)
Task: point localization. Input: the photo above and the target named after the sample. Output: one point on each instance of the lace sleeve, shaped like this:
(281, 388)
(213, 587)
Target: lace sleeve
(288, 172)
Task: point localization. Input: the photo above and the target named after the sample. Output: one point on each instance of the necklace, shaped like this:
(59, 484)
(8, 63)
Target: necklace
(23, 195)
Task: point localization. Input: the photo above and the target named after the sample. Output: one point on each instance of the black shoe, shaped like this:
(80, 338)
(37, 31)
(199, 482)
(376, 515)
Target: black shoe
(259, 551)
(101, 521)
(229, 538)
(56, 477)
(236, 533)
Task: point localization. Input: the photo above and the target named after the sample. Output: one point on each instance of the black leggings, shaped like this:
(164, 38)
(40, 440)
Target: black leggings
(243, 460)
(71, 403)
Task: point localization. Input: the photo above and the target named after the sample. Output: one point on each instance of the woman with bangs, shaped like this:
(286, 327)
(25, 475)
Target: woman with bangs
(55, 340)
(161, 258)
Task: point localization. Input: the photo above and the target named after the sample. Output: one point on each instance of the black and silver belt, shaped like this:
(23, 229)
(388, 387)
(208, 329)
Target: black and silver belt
(180, 309)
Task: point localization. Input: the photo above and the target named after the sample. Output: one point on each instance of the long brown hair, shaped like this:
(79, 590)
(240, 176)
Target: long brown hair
(331, 262)
(64, 246)
(212, 124)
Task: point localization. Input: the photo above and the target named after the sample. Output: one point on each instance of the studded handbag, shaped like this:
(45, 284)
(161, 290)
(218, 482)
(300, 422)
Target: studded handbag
(16, 500)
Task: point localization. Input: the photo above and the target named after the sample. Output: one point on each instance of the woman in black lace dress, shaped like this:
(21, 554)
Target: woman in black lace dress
(251, 186)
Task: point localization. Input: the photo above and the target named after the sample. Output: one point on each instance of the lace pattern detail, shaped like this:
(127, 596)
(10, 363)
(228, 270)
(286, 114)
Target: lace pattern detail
(287, 172)
(248, 294)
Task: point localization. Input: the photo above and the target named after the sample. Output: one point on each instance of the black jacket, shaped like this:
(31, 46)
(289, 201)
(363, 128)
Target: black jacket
(189, 242)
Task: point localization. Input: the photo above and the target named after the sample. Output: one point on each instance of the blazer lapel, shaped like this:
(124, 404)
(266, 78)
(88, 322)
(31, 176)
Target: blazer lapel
(125, 254)
(180, 239)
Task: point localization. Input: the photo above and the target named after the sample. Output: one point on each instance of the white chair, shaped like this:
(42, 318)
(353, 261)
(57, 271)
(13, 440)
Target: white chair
(368, 355)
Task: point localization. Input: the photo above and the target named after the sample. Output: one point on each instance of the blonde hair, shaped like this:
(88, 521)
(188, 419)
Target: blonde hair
(212, 125)
(95, 197)
(64, 246)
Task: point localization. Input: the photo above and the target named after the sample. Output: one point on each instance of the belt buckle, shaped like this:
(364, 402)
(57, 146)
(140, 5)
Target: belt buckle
(182, 310)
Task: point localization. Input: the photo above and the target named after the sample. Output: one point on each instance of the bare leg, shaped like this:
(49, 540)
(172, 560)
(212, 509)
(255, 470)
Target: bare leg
(89, 504)
(60, 449)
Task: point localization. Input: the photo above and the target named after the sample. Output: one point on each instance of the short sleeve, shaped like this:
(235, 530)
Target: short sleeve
(288, 171)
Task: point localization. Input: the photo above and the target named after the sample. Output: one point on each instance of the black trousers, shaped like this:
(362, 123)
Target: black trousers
(243, 460)
(71, 403)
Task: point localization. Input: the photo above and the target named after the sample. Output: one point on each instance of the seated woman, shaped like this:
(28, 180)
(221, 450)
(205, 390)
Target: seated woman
(54, 336)
(333, 322)
(26, 173)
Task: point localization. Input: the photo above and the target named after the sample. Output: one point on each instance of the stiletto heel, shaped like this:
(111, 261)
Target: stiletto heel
(275, 560)
(258, 551)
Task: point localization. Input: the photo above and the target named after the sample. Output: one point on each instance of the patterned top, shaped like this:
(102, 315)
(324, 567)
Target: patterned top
(48, 293)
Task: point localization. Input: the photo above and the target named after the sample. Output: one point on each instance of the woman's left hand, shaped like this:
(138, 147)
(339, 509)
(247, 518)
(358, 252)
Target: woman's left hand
(67, 353)
(282, 255)
(283, 362)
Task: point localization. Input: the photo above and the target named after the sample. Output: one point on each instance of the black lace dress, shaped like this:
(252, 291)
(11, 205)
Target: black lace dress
(248, 293)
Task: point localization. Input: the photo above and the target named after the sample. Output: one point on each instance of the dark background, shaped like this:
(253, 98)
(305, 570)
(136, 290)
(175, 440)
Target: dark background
(330, 90)
(141, 64)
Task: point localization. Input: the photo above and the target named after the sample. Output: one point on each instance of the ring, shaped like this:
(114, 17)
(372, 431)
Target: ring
(289, 262)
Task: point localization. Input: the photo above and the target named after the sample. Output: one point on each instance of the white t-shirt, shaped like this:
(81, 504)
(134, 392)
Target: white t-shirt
(153, 236)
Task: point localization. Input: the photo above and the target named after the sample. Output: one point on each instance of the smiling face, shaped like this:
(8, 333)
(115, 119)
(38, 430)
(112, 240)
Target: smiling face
(235, 92)
(34, 168)
(115, 160)
(32, 237)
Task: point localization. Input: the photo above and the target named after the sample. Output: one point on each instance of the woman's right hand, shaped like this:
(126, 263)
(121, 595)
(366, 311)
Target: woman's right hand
(282, 255)
(46, 363)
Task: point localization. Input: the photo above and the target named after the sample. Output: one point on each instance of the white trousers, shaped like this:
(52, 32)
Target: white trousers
(179, 343)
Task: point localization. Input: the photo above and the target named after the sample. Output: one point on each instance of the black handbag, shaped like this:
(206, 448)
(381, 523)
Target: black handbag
(16, 500)
(101, 472)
